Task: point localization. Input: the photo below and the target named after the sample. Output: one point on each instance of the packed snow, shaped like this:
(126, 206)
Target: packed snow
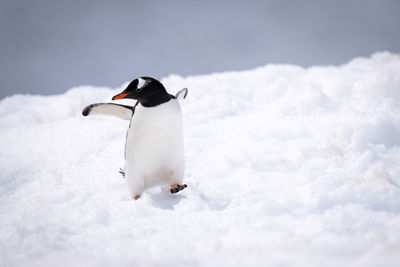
(285, 166)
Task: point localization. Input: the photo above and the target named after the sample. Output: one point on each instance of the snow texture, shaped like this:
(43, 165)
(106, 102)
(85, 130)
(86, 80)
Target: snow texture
(285, 166)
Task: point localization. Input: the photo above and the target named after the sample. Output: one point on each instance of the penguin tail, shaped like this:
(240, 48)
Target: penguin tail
(122, 172)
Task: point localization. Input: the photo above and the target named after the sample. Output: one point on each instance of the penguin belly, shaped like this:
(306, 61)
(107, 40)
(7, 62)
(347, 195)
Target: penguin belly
(154, 147)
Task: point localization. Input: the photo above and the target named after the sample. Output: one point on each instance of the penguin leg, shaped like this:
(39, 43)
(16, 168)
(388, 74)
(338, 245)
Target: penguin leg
(136, 184)
(175, 188)
(176, 181)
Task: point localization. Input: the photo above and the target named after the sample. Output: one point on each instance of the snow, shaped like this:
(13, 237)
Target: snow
(286, 166)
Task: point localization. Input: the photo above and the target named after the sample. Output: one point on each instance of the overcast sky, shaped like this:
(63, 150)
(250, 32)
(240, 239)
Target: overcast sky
(49, 46)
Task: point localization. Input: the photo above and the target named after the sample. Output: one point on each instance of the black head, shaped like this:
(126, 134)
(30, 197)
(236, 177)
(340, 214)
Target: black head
(148, 91)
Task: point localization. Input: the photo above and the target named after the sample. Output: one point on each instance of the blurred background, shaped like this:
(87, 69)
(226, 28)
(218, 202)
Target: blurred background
(49, 46)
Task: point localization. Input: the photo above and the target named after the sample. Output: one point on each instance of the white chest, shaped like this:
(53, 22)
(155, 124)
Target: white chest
(155, 139)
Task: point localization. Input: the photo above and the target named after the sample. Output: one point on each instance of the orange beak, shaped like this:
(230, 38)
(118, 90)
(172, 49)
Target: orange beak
(119, 96)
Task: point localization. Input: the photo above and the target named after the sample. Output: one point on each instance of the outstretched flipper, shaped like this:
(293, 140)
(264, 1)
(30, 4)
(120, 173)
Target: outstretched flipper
(110, 109)
(182, 94)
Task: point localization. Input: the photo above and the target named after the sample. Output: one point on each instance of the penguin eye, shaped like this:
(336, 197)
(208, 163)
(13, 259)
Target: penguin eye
(138, 89)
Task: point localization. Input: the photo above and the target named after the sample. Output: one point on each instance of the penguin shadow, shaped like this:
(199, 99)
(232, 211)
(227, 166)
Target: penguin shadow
(163, 199)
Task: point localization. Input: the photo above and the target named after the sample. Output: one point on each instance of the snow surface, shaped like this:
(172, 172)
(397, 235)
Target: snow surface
(286, 166)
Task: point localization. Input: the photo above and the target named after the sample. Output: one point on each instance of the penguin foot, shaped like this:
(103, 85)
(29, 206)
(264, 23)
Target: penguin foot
(175, 188)
(136, 197)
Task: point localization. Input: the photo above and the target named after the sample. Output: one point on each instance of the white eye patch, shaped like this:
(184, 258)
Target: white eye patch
(141, 83)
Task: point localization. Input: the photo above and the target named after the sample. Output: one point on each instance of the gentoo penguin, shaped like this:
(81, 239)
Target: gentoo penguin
(154, 141)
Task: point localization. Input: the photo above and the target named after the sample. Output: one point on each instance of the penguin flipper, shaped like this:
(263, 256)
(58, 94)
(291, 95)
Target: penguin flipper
(109, 109)
(182, 94)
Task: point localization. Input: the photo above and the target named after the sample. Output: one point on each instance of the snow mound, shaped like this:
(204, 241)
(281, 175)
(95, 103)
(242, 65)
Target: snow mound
(286, 166)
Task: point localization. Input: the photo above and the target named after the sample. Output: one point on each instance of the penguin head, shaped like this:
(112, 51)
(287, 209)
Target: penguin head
(148, 91)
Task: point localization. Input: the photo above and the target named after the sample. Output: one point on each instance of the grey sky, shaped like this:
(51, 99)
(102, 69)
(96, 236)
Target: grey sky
(49, 46)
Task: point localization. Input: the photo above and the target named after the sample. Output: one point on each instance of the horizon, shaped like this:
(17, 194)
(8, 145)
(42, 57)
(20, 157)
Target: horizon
(49, 47)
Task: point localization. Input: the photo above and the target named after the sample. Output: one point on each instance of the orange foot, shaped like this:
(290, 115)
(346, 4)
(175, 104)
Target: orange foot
(175, 188)
(136, 197)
